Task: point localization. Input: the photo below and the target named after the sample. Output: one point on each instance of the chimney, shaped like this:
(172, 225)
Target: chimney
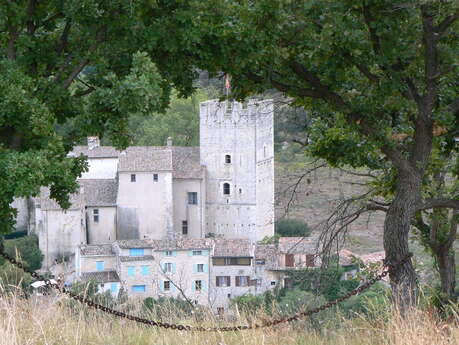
(169, 141)
(93, 142)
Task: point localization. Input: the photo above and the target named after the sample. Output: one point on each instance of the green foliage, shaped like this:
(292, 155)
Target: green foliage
(25, 249)
(296, 300)
(180, 122)
(292, 228)
(76, 68)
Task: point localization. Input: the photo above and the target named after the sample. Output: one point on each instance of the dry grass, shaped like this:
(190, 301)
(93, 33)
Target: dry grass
(49, 321)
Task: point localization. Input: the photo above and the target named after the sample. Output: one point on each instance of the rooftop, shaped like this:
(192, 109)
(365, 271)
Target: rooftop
(145, 159)
(96, 249)
(96, 152)
(101, 192)
(100, 277)
(233, 248)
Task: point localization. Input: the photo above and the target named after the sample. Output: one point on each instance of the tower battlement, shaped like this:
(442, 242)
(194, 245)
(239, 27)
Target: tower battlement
(233, 112)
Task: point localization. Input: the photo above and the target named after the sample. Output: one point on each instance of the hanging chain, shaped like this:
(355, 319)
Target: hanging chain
(390, 269)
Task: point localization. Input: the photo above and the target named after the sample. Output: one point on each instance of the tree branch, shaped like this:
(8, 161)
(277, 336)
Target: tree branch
(438, 203)
(446, 23)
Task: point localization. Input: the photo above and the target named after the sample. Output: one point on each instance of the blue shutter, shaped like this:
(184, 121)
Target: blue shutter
(174, 268)
(190, 253)
(193, 286)
(145, 270)
(130, 271)
(205, 252)
(174, 253)
(195, 268)
(206, 268)
(136, 252)
(99, 265)
(161, 285)
(138, 288)
(114, 288)
(204, 285)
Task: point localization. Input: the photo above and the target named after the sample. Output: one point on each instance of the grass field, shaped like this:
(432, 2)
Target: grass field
(51, 322)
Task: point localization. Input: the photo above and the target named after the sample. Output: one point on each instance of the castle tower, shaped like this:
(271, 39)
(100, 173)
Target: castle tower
(237, 148)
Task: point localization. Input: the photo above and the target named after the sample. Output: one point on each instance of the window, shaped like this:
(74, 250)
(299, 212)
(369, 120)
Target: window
(310, 260)
(95, 214)
(289, 260)
(192, 198)
(184, 227)
(226, 189)
(198, 285)
(130, 271)
(155, 177)
(169, 253)
(138, 288)
(200, 268)
(260, 261)
(145, 270)
(223, 281)
(228, 159)
(273, 283)
(167, 285)
(242, 280)
(231, 261)
(167, 267)
(114, 288)
(136, 252)
(197, 252)
(132, 177)
(99, 265)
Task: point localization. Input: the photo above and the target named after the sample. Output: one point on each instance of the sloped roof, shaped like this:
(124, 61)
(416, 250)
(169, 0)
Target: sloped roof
(297, 245)
(182, 244)
(346, 257)
(46, 203)
(373, 257)
(101, 192)
(186, 162)
(100, 277)
(96, 152)
(96, 249)
(126, 244)
(145, 158)
(233, 248)
(136, 258)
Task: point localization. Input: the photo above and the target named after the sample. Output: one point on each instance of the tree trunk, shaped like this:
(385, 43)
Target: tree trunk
(396, 230)
(447, 270)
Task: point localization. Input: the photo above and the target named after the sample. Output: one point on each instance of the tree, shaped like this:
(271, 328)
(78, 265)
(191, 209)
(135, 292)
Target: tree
(26, 250)
(83, 65)
(378, 78)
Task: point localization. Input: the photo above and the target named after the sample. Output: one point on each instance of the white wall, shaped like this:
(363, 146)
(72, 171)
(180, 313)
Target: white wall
(101, 168)
(145, 207)
(105, 230)
(194, 214)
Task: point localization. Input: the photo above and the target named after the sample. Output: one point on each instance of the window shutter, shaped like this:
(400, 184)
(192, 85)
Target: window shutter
(238, 281)
(190, 253)
(205, 252)
(206, 268)
(195, 268)
(174, 268)
(174, 253)
(204, 285)
(193, 286)
(228, 281)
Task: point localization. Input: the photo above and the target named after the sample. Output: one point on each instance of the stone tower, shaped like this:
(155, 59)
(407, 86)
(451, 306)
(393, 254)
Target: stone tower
(237, 148)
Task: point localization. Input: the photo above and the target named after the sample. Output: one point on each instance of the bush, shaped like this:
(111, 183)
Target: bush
(292, 228)
(26, 250)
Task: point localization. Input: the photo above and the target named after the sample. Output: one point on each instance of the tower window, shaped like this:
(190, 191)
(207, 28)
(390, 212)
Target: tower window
(184, 227)
(228, 159)
(226, 189)
(192, 198)
(132, 177)
(155, 177)
(95, 213)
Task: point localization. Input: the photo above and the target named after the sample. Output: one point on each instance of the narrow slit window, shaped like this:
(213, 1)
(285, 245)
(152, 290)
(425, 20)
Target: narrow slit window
(228, 159)
(184, 227)
(95, 213)
(226, 189)
(155, 177)
(132, 177)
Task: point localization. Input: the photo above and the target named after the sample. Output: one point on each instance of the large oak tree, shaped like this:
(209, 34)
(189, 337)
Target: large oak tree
(379, 78)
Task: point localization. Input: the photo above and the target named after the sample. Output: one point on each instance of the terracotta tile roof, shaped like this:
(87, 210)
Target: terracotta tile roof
(100, 277)
(373, 257)
(136, 258)
(182, 244)
(233, 248)
(186, 162)
(101, 192)
(145, 159)
(126, 244)
(97, 152)
(297, 245)
(96, 249)
(346, 257)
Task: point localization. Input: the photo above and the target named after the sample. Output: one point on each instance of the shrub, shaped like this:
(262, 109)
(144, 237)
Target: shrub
(292, 228)
(26, 249)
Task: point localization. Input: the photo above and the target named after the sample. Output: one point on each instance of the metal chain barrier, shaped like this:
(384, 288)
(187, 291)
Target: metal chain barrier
(274, 322)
